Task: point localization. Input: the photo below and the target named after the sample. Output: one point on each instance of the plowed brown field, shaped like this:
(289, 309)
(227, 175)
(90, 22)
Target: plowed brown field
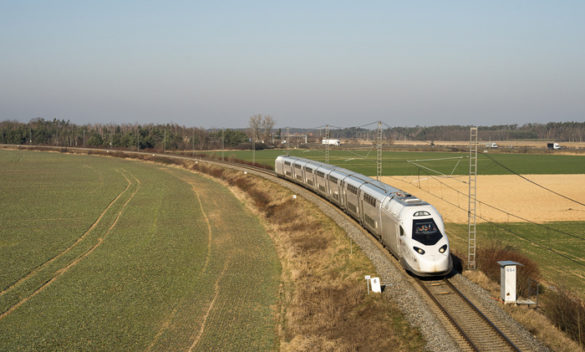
(512, 194)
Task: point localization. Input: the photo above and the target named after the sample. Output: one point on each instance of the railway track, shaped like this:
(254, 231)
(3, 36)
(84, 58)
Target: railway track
(475, 329)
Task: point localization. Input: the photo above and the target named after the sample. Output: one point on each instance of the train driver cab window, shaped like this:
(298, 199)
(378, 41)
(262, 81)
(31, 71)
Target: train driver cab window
(426, 232)
(401, 231)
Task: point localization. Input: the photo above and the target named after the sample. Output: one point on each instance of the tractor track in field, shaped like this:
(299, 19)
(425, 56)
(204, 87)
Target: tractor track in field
(72, 264)
(167, 322)
(209, 231)
(210, 308)
(68, 249)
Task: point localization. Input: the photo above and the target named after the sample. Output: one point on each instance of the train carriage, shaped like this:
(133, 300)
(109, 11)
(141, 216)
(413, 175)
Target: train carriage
(352, 196)
(321, 174)
(297, 170)
(371, 197)
(335, 185)
(309, 175)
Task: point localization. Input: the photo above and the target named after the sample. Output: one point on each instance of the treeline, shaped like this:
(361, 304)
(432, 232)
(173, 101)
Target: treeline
(553, 131)
(125, 136)
(557, 131)
(162, 137)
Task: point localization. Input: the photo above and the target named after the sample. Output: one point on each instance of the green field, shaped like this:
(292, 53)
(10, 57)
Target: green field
(109, 254)
(557, 247)
(413, 163)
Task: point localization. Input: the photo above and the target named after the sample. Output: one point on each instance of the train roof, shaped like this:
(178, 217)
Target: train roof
(381, 187)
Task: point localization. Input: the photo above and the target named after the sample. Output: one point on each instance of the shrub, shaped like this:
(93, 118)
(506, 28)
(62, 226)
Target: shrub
(566, 312)
(527, 276)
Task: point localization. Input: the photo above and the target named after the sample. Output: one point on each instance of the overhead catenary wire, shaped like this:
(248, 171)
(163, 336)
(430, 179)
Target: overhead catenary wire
(533, 182)
(510, 214)
(548, 248)
(496, 208)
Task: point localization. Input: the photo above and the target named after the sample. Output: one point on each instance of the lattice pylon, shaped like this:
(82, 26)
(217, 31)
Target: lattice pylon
(472, 202)
(327, 144)
(379, 151)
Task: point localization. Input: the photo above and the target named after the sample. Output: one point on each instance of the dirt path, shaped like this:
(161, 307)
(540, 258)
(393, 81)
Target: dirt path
(63, 270)
(506, 198)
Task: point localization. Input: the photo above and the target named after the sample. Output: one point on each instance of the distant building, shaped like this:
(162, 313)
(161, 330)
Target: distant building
(330, 141)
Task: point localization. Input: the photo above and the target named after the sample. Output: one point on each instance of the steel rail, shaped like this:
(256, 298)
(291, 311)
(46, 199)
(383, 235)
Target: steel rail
(448, 316)
(483, 316)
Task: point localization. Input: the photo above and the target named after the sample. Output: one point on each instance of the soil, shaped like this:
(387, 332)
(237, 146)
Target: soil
(513, 196)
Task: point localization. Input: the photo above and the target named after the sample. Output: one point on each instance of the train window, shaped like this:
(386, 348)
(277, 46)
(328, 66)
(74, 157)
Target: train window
(422, 213)
(287, 163)
(426, 232)
(297, 166)
(333, 179)
(401, 231)
(319, 173)
(352, 189)
(369, 199)
(308, 169)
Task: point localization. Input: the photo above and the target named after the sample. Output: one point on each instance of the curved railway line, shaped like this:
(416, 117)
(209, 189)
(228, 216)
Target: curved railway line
(469, 326)
(466, 323)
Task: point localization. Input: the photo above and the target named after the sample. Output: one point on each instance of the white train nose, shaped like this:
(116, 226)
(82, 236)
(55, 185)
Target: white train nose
(432, 264)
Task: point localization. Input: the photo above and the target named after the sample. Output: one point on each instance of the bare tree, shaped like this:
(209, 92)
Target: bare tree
(260, 127)
(254, 126)
(266, 125)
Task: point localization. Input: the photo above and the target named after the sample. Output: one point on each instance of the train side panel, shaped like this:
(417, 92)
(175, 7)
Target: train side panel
(321, 181)
(310, 176)
(390, 226)
(297, 171)
(352, 197)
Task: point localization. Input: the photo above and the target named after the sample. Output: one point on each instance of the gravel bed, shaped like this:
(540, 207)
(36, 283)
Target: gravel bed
(492, 309)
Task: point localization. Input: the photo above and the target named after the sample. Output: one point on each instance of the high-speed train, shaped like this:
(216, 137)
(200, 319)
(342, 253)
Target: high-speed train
(410, 228)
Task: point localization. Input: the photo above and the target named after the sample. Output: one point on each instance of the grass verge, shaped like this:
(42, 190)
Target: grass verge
(324, 305)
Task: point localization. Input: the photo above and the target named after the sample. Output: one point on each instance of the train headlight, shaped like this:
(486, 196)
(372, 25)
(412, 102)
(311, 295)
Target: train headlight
(419, 250)
(443, 248)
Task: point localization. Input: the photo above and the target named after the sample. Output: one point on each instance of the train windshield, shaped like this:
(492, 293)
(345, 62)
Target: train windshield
(426, 232)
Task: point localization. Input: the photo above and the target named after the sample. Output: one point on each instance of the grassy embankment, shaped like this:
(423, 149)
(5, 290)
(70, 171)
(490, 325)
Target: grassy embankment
(109, 254)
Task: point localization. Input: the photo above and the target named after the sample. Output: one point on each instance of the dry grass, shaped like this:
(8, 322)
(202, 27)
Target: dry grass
(324, 305)
(567, 312)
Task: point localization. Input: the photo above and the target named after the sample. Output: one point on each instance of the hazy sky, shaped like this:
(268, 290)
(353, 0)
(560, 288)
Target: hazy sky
(306, 63)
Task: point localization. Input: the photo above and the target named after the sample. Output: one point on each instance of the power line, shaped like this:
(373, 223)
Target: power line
(510, 214)
(533, 182)
(494, 207)
(517, 234)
